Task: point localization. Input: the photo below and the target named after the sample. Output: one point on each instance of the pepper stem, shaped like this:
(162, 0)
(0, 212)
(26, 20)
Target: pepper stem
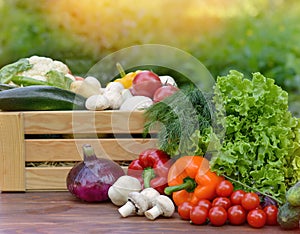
(188, 184)
(121, 70)
(148, 175)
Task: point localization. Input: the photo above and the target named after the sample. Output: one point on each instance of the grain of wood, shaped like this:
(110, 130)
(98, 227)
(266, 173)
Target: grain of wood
(12, 159)
(60, 212)
(55, 122)
(71, 149)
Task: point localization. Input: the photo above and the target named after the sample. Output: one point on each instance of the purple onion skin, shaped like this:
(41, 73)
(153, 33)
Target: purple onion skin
(90, 179)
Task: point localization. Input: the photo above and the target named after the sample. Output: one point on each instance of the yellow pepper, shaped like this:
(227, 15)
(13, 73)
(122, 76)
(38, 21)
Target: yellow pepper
(126, 80)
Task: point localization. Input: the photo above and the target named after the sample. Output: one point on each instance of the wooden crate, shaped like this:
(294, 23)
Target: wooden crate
(57, 136)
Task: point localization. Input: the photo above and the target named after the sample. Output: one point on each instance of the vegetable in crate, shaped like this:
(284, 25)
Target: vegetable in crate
(91, 179)
(191, 180)
(151, 168)
(37, 70)
(261, 147)
(40, 97)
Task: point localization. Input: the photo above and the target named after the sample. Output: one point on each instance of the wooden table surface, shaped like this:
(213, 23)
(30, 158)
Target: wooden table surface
(59, 212)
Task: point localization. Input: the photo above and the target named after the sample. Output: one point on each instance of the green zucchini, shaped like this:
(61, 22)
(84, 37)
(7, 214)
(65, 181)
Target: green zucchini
(7, 86)
(40, 97)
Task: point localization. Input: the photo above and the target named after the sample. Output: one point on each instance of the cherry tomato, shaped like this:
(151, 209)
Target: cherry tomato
(256, 218)
(250, 201)
(184, 210)
(217, 216)
(199, 215)
(236, 215)
(271, 212)
(205, 203)
(236, 197)
(224, 188)
(221, 201)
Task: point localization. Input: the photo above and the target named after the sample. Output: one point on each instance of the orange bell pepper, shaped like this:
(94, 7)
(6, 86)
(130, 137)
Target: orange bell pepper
(190, 179)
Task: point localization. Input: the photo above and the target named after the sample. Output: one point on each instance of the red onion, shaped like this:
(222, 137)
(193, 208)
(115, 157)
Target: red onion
(90, 179)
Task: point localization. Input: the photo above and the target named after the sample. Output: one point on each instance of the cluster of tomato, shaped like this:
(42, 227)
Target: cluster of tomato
(233, 207)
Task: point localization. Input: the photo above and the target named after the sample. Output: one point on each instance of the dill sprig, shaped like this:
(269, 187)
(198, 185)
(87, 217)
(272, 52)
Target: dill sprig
(179, 116)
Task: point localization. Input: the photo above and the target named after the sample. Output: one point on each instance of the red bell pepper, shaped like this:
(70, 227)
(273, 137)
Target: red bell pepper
(151, 168)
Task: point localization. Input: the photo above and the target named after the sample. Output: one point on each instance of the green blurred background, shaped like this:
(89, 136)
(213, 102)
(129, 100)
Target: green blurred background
(249, 36)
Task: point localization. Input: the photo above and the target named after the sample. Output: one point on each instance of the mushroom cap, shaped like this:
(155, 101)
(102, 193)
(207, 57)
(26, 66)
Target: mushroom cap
(165, 204)
(118, 192)
(139, 201)
(151, 194)
(128, 182)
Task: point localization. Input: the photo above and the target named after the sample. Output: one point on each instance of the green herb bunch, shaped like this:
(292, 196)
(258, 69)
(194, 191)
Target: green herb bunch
(180, 117)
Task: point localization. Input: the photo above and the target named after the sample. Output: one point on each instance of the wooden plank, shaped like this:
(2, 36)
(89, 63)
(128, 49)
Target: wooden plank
(78, 122)
(71, 149)
(60, 212)
(46, 178)
(12, 159)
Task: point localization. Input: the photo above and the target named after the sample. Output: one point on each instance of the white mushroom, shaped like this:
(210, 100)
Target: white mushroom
(163, 206)
(114, 98)
(114, 87)
(136, 204)
(167, 80)
(97, 102)
(126, 94)
(118, 192)
(151, 194)
(87, 87)
(136, 103)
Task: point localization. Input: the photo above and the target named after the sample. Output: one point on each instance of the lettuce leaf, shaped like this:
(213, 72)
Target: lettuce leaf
(261, 145)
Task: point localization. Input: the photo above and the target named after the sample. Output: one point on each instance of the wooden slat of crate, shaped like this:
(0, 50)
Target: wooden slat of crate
(12, 166)
(46, 178)
(18, 149)
(71, 149)
(62, 122)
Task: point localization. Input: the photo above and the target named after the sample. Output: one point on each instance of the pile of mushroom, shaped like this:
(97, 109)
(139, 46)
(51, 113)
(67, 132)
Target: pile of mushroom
(149, 203)
(135, 91)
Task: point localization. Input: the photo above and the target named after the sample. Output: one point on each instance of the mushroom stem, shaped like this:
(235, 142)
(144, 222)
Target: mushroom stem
(153, 213)
(127, 209)
(163, 206)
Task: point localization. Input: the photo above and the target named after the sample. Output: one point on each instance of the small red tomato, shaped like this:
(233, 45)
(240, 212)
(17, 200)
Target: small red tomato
(250, 201)
(204, 203)
(217, 216)
(236, 215)
(198, 215)
(224, 188)
(257, 218)
(163, 92)
(271, 212)
(221, 201)
(184, 210)
(236, 197)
